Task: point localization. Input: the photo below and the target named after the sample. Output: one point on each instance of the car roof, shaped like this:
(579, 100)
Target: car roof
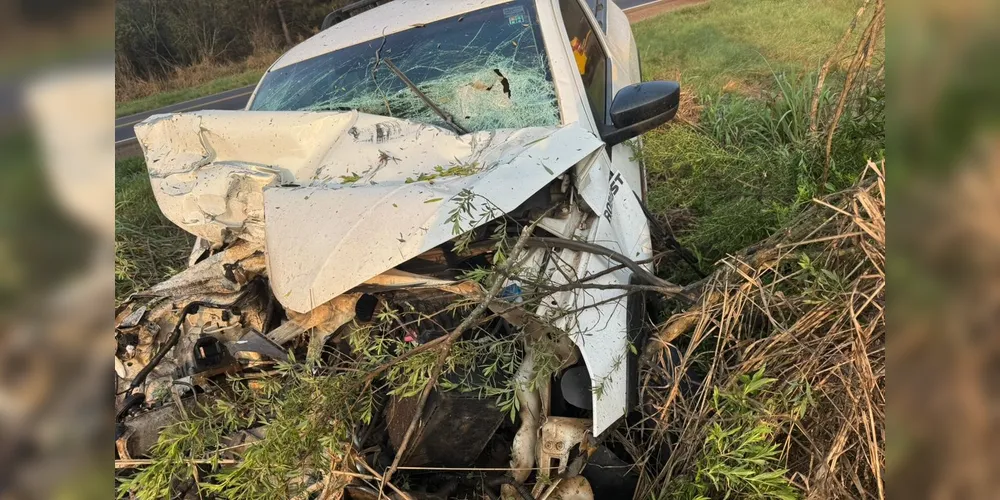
(396, 16)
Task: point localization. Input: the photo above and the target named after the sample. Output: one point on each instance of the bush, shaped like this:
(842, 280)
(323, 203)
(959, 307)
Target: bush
(740, 456)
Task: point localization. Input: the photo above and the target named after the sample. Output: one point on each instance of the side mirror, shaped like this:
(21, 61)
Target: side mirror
(641, 107)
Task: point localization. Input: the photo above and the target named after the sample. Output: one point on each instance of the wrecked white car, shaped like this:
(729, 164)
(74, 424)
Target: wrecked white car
(390, 173)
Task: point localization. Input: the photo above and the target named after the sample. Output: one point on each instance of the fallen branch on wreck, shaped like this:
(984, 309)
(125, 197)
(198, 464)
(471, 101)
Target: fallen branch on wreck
(445, 350)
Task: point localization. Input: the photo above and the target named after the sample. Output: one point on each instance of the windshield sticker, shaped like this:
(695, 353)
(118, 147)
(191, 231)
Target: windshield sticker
(516, 15)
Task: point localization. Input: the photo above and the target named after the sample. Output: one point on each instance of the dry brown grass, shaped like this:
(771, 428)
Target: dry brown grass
(130, 88)
(689, 110)
(662, 7)
(819, 324)
(745, 87)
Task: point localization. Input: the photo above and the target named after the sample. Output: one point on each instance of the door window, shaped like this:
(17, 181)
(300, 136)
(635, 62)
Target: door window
(591, 61)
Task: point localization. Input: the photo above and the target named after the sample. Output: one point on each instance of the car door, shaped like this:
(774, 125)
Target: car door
(625, 71)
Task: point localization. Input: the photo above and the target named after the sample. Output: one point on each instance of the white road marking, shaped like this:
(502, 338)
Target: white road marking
(651, 2)
(193, 107)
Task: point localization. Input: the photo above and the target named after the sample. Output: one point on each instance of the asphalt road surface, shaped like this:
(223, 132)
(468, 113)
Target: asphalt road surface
(237, 98)
(230, 99)
(628, 4)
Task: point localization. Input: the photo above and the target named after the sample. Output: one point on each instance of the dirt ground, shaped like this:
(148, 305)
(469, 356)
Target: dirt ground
(655, 9)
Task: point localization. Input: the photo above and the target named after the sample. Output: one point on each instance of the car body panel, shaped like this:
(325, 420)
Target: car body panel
(265, 177)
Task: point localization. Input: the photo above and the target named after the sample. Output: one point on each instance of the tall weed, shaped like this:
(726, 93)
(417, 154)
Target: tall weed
(782, 117)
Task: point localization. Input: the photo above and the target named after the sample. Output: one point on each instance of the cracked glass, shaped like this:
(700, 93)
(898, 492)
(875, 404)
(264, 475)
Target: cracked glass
(486, 68)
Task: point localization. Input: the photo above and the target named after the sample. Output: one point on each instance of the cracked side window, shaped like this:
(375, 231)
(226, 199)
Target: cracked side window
(486, 68)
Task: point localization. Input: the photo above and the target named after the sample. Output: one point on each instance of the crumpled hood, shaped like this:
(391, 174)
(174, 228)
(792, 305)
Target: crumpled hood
(339, 197)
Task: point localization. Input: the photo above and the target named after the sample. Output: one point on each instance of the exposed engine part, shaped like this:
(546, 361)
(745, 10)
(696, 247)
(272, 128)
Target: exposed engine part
(522, 456)
(222, 274)
(159, 332)
(133, 318)
(175, 336)
(254, 341)
(455, 428)
(609, 475)
(209, 352)
(141, 431)
(563, 440)
(130, 402)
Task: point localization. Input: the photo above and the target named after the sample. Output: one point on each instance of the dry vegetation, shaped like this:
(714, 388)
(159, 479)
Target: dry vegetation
(183, 78)
(787, 343)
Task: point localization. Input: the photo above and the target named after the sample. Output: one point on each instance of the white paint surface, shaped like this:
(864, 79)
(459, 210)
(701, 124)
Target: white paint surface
(333, 196)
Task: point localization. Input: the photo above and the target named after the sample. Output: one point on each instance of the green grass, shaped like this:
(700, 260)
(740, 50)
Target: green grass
(148, 247)
(750, 162)
(708, 45)
(159, 100)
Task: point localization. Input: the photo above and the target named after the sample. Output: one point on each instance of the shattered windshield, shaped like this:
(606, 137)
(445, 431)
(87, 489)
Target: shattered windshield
(485, 68)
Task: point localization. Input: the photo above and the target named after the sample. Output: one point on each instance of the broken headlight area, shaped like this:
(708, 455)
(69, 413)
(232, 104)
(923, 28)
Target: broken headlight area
(506, 281)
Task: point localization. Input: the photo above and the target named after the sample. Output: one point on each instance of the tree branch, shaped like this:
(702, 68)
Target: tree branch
(446, 345)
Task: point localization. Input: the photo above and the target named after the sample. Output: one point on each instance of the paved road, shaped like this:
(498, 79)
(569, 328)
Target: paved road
(628, 4)
(237, 98)
(230, 99)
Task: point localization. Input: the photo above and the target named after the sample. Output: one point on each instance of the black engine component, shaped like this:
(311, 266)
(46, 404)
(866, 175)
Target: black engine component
(610, 476)
(209, 352)
(575, 386)
(456, 428)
